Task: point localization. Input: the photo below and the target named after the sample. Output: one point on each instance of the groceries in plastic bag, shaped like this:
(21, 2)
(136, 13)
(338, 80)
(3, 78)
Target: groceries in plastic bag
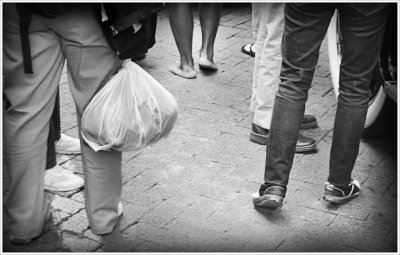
(130, 112)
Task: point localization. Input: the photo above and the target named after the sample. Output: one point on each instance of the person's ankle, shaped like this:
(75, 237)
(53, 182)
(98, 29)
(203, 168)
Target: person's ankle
(206, 56)
(267, 185)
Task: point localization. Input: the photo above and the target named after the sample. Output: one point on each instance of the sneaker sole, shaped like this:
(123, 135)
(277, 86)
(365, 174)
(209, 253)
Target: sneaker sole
(339, 200)
(257, 138)
(309, 125)
(307, 148)
(262, 140)
(268, 201)
(63, 189)
(68, 152)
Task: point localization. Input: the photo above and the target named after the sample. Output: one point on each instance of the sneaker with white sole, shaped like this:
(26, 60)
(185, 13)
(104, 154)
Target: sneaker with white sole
(68, 145)
(120, 209)
(60, 179)
(340, 194)
(269, 196)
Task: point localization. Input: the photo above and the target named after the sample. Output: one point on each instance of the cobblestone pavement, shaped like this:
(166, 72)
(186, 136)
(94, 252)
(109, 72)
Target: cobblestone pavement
(191, 192)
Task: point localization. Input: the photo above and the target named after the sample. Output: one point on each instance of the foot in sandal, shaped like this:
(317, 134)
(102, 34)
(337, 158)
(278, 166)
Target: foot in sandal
(206, 64)
(184, 72)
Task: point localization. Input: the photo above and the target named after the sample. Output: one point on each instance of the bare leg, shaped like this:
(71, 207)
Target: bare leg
(210, 14)
(181, 21)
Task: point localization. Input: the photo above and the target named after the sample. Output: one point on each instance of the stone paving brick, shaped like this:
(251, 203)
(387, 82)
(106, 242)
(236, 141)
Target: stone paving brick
(314, 192)
(324, 245)
(267, 238)
(301, 215)
(132, 213)
(150, 234)
(301, 238)
(250, 170)
(376, 151)
(389, 162)
(66, 205)
(325, 105)
(48, 242)
(65, 95)
(144, 181)
(149, 246)
(375, 200)
(133, 196)
(369, 238)
(120, 242)
(88, 233)
(214, 172)
(378, 185)
(178, 174)
(332, 235)
(59, 216)
(322, 71)
(77, 243)
(391, 240)
(162, 215)
(131, 170)
(200, 230)
(212, 191)
(263, 244)
(79, 197)
(200, 210)
(228, 242)
(324, 148)
(77, 223)
(310, 170)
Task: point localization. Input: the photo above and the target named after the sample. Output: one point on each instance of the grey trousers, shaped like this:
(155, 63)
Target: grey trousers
(77, 38)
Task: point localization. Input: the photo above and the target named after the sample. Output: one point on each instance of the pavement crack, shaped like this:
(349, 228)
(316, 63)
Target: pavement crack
(279, 245)
(327, 92)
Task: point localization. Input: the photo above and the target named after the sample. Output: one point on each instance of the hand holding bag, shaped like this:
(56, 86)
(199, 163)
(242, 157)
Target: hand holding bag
(130, 112)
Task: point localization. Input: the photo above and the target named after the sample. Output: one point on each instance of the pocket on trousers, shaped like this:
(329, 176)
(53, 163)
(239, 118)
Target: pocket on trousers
(367, 9)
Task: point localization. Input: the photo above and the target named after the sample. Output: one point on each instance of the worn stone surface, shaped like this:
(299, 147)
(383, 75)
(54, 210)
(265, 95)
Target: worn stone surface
(191, 192)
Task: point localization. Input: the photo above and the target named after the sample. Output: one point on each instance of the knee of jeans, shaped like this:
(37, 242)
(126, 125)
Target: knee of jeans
(291, 95)
(354, 100)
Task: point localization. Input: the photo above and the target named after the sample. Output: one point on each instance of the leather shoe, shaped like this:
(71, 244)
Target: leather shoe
(309, 121)
(260, 135)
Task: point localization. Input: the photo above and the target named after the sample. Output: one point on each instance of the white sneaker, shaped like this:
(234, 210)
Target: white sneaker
(120, 209)
(60, 179)
(68, 145)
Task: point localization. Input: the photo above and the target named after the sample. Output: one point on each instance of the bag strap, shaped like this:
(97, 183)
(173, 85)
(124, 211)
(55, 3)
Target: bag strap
(25, 18)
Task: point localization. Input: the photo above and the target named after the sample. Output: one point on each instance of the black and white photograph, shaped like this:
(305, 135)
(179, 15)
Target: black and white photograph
(199, 127)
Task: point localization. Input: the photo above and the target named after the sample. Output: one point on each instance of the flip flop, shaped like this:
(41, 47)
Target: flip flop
(177, 71)
(206, 65)
(248, 49)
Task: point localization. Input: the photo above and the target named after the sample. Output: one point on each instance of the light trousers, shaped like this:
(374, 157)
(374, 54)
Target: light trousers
(29, 98)
(267, 62)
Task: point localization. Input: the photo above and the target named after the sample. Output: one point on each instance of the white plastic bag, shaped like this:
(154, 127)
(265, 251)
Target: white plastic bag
(131, 111)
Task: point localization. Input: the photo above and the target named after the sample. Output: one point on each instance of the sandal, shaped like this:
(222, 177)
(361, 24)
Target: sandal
(207, 65)
(176, 69)
(248, 49)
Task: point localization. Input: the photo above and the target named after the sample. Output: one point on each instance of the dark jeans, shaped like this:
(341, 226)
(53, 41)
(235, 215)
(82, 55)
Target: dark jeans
(54, 134)
(362, 26)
